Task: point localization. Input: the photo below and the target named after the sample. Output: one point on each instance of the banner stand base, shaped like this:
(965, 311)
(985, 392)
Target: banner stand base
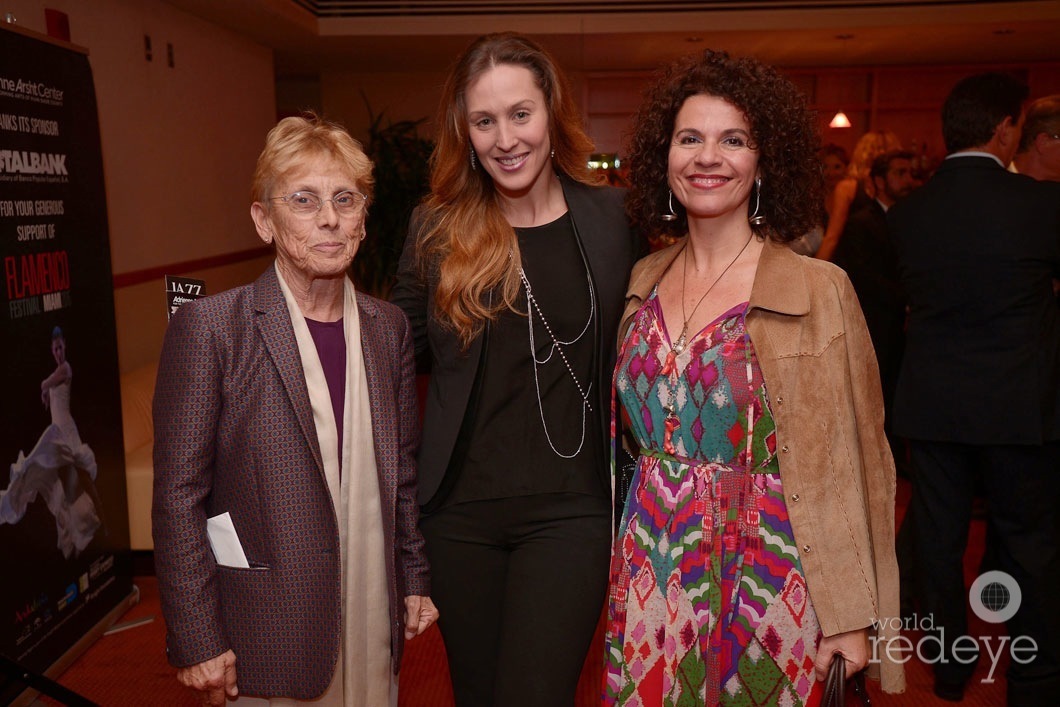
(75, 651)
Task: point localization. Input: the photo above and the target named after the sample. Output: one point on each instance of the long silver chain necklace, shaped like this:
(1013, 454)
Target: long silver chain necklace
(557, 347)
(679, 345)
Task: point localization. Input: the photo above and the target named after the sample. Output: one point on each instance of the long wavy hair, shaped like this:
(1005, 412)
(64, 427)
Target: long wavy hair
(464, 228)
(782, 130)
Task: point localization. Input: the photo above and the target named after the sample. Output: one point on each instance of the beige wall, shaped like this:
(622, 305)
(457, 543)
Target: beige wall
(396, 95)
(141, 309)
(179, 144)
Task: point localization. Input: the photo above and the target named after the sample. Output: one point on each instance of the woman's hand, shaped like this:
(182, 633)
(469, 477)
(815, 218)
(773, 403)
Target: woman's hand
(420, 613)
(212, 679)
(854, 647)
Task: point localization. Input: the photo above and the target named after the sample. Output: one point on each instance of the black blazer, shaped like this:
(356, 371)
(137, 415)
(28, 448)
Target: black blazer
(870, 260)
(610, 248)
(978, 248)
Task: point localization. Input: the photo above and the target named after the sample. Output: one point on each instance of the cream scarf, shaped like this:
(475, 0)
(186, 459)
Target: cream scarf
(362, 676)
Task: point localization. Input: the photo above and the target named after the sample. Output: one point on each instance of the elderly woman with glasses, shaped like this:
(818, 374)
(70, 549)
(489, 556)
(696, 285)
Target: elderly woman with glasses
(287, 553)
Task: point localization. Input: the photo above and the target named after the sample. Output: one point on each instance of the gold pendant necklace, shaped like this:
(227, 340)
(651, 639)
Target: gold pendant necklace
(679, 345)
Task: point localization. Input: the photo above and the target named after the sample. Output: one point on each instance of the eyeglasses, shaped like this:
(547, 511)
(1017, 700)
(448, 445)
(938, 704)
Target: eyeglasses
(307, 204)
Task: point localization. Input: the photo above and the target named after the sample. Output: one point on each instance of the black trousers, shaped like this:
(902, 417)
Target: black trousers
(520, 584)
(1022, 486)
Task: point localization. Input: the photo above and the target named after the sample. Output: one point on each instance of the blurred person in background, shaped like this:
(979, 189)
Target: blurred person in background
(1038, 155)
(834, 163)
(978, 394)
(856, 190)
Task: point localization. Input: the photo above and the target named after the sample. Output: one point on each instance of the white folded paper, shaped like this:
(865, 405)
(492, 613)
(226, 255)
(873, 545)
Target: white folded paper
(225, 542)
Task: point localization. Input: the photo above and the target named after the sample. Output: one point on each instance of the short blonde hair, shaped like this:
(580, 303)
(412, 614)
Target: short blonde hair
(298, 138)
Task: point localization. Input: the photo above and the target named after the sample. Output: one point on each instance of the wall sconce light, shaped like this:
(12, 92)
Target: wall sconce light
(839, 120)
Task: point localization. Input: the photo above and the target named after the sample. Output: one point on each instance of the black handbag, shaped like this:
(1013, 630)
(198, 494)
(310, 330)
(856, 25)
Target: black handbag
(836, 682)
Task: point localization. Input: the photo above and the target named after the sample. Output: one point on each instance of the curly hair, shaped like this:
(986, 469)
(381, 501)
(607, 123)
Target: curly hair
(466, 230)
(782, 130)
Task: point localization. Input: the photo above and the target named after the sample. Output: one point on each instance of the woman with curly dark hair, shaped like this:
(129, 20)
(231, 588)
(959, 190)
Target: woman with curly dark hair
(758, 536)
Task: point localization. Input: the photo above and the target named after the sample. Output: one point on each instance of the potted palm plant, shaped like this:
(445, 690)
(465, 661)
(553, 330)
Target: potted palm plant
(402, 177)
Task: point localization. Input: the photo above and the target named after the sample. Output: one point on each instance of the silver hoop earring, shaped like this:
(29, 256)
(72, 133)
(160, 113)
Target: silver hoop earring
(757, 219)
(471, 150)
(672, 216)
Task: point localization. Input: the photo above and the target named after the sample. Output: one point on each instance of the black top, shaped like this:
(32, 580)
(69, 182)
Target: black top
(871, 261)
(861, 200)
(610, 247)
(508, 451)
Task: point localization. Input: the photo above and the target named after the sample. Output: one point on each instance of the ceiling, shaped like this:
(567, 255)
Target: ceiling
(310, 36)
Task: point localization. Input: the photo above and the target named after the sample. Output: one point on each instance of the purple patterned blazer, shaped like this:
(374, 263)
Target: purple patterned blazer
(234, 432)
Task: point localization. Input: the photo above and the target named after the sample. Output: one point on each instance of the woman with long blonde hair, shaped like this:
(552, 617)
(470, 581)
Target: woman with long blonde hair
(513, 275)
(856, 190)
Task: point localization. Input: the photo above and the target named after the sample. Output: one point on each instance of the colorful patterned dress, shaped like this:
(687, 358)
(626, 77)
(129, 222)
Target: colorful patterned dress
(708, 602)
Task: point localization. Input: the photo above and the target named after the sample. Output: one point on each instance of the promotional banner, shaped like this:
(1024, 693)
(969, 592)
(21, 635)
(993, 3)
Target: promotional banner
(63, 517)
(180, 291)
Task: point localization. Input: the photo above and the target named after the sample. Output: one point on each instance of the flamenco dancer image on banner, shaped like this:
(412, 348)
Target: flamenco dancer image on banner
(61, 468)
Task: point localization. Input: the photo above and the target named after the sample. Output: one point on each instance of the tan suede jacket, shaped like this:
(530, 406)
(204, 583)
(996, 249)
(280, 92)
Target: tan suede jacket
(823, 385)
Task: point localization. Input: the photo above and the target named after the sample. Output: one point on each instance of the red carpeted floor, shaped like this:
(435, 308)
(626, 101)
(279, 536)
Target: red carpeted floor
(129, 667)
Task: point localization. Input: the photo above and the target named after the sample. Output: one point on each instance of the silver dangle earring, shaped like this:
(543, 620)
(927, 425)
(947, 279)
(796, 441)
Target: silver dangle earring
(757, 219)
(672, 216)
(552, 153)
(471, 150)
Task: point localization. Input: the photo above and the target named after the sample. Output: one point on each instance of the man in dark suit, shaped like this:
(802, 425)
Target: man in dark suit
(978, 391)
(871, 262)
